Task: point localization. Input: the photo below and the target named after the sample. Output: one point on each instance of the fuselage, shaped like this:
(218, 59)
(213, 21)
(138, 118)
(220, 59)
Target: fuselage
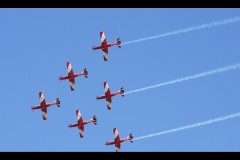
(118, 141)
(71, 76)
(108, 95)
(44, 106)
(103, 46)
(80, 123)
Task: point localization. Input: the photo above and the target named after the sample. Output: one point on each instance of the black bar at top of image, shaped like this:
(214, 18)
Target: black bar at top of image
(121, 4)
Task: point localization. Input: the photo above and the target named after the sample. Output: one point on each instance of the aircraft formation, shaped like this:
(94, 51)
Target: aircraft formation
(108, 96)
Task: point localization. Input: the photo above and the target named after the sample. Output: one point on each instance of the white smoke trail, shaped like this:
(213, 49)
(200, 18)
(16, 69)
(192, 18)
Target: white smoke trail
(190, 126)
(203, 26)
(207, 73)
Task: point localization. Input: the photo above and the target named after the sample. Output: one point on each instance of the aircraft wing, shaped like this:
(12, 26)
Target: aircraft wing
(44, 113)
(104, 46)
(109, 103)
(69, 68)
(81, 131)
(116, 139)
(117, 146)
(106, 88)
(105, 53)
(80, 123)
(116, 134)
(103, 39)
(79, 117)
(72, 83)
(42, 99)
(107, 92)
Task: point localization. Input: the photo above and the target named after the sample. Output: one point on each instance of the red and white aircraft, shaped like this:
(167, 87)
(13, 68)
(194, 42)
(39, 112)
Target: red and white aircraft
(80, 123)
(108, 95)
(117, 141)
(71, 76)
(104, 45)
(43, 105)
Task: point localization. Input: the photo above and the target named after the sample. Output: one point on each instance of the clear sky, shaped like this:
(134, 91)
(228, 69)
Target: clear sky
(37, 43)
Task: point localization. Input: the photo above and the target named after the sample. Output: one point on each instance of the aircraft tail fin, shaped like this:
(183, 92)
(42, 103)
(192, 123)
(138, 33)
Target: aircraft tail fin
(58, 102)
(131, 137)
(85, 72)
(122, 91)
(119, 43)
(95, 119)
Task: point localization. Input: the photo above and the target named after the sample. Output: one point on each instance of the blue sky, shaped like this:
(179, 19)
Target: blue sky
(37, 43)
